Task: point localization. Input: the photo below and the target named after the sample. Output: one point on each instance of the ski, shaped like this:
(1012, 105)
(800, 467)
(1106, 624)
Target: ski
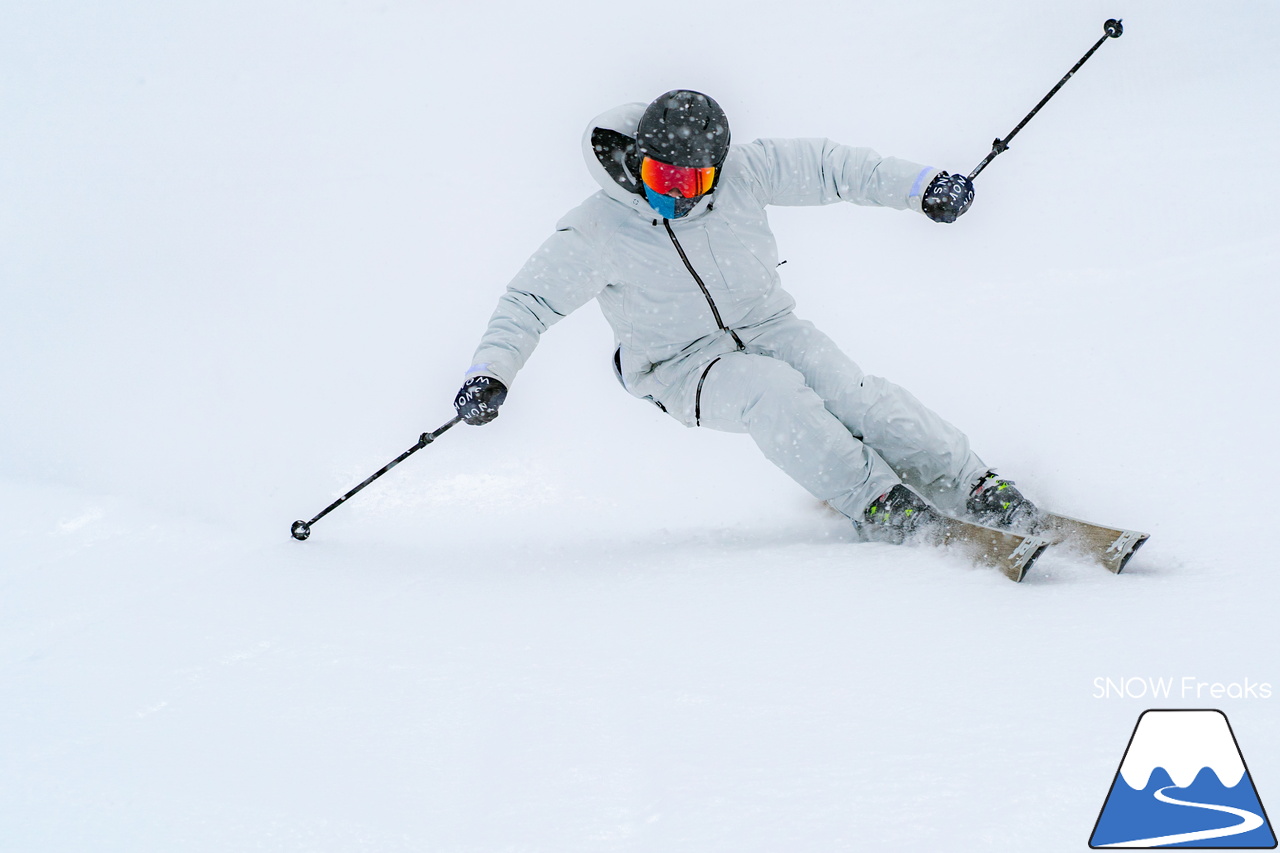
(1110, 546)
(1011, 552)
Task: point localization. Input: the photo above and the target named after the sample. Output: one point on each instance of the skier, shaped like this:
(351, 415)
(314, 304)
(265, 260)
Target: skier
(677, 248)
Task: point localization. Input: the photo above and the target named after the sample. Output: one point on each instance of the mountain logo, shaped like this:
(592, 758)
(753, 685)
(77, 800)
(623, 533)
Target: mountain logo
(1183, 783)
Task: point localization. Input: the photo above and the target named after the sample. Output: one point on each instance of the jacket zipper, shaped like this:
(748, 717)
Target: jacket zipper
(715, 312)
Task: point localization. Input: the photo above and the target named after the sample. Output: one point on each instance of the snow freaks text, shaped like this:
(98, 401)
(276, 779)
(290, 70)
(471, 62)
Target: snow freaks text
(1185, 687)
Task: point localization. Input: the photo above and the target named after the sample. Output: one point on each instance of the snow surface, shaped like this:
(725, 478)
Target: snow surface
(246, 251)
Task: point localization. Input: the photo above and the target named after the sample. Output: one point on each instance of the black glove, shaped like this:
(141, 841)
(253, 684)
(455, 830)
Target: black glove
(947, 197)
(478, 400)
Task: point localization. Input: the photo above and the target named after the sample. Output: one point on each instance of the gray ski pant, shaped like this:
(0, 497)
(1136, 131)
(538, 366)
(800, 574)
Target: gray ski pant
(845, 436)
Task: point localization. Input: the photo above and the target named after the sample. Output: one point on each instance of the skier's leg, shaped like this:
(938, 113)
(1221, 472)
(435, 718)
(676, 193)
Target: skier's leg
(925, 450)
(769, 400)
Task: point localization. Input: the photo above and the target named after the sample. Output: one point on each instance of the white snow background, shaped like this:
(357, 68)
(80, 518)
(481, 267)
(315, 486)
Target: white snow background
(246, 251)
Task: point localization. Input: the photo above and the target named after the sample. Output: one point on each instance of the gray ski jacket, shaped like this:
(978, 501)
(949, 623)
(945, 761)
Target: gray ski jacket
(678, 293)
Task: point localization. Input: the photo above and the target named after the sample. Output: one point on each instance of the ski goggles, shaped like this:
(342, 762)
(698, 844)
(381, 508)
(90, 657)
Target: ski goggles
(689, 181)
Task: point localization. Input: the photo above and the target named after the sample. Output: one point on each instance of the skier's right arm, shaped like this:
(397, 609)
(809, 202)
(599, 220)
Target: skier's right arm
(562, 276)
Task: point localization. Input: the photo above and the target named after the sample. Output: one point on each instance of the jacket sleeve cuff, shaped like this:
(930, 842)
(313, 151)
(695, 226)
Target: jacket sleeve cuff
(916, 196)
(493, 371)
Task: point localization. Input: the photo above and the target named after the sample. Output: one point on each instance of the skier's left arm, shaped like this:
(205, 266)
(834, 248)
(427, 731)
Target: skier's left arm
(819, 171)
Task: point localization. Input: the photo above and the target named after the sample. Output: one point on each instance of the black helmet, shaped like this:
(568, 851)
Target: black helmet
(684, 128)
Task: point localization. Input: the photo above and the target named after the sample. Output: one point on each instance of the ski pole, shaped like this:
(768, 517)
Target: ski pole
(302, 529)
(1112, 29)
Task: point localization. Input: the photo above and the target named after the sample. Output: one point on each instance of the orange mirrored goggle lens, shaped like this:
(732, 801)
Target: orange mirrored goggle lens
(690, 181)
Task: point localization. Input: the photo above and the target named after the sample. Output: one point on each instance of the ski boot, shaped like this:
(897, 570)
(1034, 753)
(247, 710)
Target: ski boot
(896, 516)
(995, 502)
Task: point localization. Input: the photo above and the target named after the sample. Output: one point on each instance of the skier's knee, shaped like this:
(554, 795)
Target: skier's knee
(777, 384)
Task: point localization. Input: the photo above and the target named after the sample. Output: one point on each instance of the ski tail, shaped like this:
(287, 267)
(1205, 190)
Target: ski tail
(1011, 552)
(1113, 547)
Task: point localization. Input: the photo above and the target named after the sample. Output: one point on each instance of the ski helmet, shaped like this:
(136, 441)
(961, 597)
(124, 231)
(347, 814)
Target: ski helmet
(685, 129)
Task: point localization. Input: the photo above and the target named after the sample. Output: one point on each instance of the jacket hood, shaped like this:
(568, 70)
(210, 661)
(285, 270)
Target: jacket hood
(609, 147)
